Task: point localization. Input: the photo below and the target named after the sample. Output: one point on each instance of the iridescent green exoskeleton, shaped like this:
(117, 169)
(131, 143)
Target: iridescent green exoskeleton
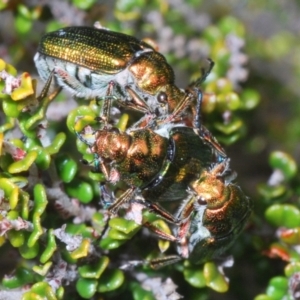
(157, 167)
(157, 162)
(84, 60)
(172, 162)
(211, 217)
(89, 61)
(215, 213)
(171, 157)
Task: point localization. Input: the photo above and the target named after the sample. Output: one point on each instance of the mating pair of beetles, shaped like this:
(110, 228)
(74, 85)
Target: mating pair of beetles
(168, 155)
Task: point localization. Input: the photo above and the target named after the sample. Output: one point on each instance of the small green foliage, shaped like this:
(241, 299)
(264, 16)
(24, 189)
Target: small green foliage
(86, 288)
(95, 270)
(29, 252)
(40, 203)
(276, 290)
(24, 19)
(43, 184)
(120, 232)
(16, 238)
(51, 247)
(80, 189)
(124, 226)
(21, 277)
(24, 164)
(40, 290)
(194, 276)
(109, 243)
(84, 4)
(214, 278)
(122, 229)
(285, 215)
(110, 280)
(42, 269)
(249, 99)
(284, 162)
(140, 293)
(66, 167)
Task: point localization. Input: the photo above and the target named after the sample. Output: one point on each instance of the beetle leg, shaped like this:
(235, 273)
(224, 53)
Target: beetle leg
(105, 197)
(160, 262)
(203, 132)
(102, 167)
(82, 139)
(46, 89)
(161, 212)
(136, 102)
(186, 209)
(192, 93)
(105, 111)
(147, 121)
(197, 114)
(204, 73)
(179, 109)
(69, 82)
(158, 210)
(206, 135)
(125, 197)
(184, 215)
(160, 233)
(76, 87)
(154, 263)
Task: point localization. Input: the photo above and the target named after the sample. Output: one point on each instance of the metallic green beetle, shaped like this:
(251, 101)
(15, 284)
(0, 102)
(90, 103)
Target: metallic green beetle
(215, 213)
(157, 162)
(156, 167)
(210, 218)
(99, 63)
(84, 60)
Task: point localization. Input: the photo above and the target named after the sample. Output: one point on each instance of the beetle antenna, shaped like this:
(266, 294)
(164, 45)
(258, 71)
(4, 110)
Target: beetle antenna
(204, 73)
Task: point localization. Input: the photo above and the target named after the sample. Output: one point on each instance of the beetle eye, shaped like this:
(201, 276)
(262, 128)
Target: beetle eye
(162, 97)
(114, 130)
(201, 201)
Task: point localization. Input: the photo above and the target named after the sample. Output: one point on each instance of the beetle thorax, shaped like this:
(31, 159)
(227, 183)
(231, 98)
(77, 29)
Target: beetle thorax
(211, 188)
(112, 146)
